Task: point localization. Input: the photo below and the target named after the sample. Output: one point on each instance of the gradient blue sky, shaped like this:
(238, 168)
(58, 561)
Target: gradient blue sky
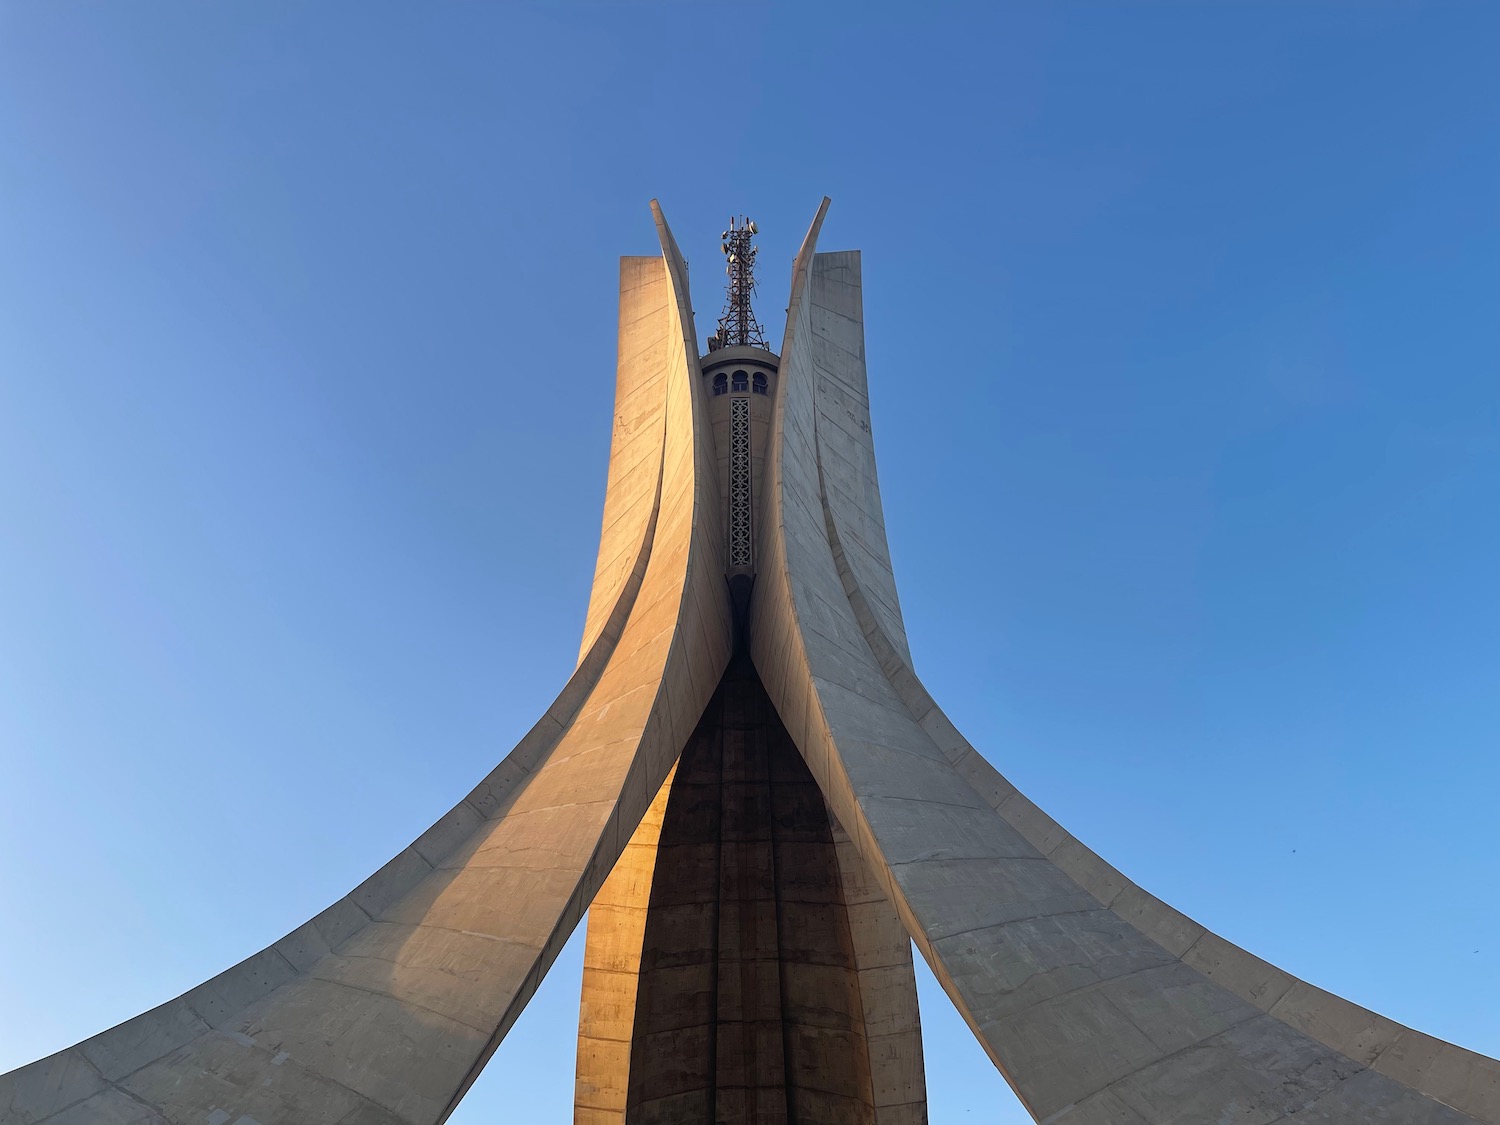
(1183, 352)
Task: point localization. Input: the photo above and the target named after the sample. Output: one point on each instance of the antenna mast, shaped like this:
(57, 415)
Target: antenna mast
(738, 324)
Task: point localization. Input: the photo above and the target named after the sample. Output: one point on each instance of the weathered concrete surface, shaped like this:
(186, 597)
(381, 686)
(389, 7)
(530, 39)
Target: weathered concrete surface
(1098, 1002)
(744, 966)
(611, 971)
(382, 1009)
(630, 499)
(887, 990)
(749, 1007)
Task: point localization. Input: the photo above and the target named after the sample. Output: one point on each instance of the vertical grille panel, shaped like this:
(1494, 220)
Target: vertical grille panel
(739, 483)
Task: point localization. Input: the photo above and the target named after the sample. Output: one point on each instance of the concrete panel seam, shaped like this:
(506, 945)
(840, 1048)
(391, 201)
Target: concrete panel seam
(1035, 917)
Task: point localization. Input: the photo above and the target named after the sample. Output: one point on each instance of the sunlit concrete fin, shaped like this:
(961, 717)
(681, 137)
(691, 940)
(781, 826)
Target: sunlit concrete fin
(382, 1010)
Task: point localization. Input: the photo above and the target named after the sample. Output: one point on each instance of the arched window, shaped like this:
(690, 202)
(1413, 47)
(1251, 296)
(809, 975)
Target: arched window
(760, 382)
(721, 384)
(741, 381)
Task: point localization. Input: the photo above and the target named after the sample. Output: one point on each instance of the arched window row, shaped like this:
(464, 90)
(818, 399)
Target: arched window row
(742, 381)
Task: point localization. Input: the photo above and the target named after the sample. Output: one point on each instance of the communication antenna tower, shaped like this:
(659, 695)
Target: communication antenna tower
(738, 324)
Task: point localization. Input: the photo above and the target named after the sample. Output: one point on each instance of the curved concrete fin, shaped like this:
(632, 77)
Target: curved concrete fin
(382, 1009)
(631, 498)
(846, 447)
(1097, 1002)
(803, 258)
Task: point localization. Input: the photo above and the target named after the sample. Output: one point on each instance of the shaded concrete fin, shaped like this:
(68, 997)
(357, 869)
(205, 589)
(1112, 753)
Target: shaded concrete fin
(1097, 1002)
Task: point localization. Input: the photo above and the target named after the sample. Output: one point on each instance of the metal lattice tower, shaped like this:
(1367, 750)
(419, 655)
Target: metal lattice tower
(738, 324)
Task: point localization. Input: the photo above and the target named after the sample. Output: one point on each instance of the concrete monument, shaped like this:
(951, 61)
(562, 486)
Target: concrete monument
(746, 785)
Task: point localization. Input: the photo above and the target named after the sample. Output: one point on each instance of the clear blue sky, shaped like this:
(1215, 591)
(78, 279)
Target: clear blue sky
(1185, 365)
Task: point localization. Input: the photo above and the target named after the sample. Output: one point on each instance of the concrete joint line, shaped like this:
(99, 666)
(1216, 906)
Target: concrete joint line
(1034, 918)
(1166, 1058)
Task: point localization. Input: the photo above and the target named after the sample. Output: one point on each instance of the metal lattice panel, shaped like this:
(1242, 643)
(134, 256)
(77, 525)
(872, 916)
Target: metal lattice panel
(739, 483)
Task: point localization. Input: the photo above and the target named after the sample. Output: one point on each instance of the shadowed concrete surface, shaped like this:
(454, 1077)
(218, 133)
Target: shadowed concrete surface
(748, 1008)
(741, 963)
(751, 960)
